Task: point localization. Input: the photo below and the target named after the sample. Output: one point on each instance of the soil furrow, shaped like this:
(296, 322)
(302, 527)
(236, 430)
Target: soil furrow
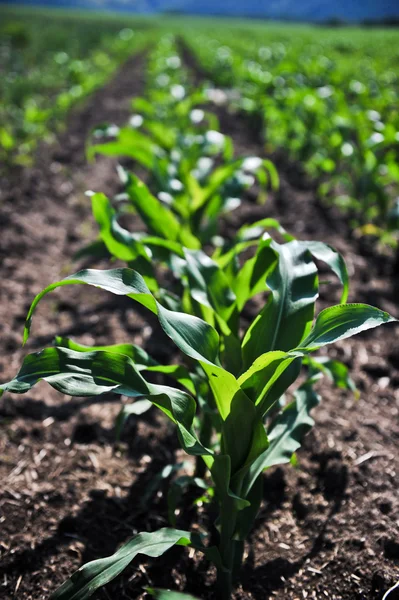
(66, 496)
(45, 217)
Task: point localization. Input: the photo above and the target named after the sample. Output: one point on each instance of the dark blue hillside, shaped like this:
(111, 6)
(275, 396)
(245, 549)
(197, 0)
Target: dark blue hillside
(306, 10)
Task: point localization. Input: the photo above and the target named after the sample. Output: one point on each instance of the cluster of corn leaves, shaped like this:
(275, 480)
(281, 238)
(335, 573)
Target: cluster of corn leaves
(189, 162)
(234, 401)
(331, 105)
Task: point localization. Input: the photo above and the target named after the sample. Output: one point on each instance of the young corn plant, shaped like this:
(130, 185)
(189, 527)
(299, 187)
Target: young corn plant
(189, 163)
(247, 381)
(194, 178)
(164, 237)
(216, 290)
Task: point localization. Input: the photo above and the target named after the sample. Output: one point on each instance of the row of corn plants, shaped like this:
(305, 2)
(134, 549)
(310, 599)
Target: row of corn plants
(330, 103)
(189, 163)
(47, 70)
(241, 393)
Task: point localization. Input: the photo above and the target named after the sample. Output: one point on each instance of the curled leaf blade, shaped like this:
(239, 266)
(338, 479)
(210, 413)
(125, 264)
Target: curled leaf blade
(194, 337)
(97, 573)
(342, 321)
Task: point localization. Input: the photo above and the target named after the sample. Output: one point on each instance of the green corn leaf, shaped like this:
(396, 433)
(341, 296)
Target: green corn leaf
(251, 278)
(334, 260)
(257, 229)
(104, 213)
(139, 154)
(137, 408)
(142, 360)
(242, 438)
(286, 434)
(335, 370)
(159, 594)
(162, 249)
(138, 355)
(224, 387)
(176, 372)
(130, 143)
(163, 135)
(224, 257)
(288, 374)
(290, 426)
(78, 373)
(159, 220)
(254, 379)
(192, 336)
(259, 443)
(221, 475)
(124, 245)
(342, 321)
(266, 371)
(137, 139)
(97, 573)
(208, 285)
(230, 348)
(265, 171)
(288, 314)
(273, 174)
(144, 106)
(93, 373)
(120, 242)
(248, 279)
(216, 179)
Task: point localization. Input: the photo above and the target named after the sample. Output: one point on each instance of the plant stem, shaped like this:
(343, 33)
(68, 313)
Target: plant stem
(205, 437)
(228, 518)
(224, 584)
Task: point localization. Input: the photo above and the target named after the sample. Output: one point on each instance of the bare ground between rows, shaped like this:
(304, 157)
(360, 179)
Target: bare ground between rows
(327, 529)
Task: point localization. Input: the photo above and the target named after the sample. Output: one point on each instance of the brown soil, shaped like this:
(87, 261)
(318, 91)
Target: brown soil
(327, 529)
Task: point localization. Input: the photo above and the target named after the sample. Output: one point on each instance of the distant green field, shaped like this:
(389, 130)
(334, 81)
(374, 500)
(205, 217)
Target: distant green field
(329, 98)
(51, 60)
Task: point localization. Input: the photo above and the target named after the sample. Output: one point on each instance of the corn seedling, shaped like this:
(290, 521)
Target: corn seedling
(190, 164)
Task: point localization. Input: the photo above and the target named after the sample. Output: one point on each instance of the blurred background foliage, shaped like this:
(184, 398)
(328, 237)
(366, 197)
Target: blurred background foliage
(49, 61)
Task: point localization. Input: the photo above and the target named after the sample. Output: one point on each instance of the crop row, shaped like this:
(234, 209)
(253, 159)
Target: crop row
(330, 101)
(47, 69)
(243, 387)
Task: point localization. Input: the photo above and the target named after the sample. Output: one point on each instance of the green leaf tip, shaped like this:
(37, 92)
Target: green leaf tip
(93, 575)
(342, 321)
